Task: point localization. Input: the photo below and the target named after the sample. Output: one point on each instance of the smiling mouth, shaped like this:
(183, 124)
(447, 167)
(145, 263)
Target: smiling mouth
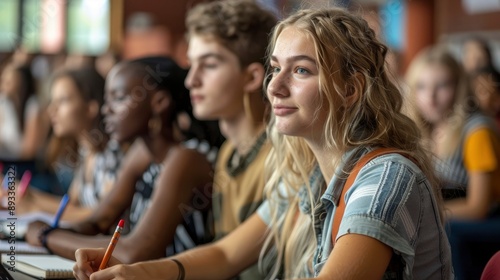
(283, 110)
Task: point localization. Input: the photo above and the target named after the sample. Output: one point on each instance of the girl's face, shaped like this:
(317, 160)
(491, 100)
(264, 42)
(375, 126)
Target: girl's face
(474, 56)
(434, 92)
(487, 94)
(69, 112)
(215, 80)
(294, 87)
(126, 106)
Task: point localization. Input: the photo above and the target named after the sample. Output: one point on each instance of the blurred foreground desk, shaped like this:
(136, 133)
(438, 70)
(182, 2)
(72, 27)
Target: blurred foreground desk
(9, 275)
(32, 264)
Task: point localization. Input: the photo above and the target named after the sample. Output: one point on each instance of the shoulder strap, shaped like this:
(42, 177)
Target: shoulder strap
(339, 213)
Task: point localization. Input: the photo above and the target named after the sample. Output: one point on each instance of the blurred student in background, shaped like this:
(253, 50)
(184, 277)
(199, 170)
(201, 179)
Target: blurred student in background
(476, 54)
(23, 124)
(464, 140)
(60, 155)
(467, 146)
(486, 83)
(74, 110)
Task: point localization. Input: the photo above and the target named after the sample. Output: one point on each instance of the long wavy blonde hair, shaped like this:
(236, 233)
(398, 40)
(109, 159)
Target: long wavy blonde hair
(349, 58)
(463, 100)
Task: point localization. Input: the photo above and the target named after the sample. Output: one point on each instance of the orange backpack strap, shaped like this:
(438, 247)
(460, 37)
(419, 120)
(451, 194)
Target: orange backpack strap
(339, 213)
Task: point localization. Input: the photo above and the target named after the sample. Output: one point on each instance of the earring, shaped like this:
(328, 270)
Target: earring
(154, 126)
(246, 105)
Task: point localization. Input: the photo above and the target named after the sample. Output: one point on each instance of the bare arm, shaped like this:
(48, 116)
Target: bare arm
(219, 260)
(39, 201)
(357, 256)
(477, 203)
(230, 255)
(103, 217)
(183, 171)
(36, 128)
(120, 197)
(36, 200)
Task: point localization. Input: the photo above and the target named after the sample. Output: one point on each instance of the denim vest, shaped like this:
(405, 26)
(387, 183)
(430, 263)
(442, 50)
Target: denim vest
(391, 201)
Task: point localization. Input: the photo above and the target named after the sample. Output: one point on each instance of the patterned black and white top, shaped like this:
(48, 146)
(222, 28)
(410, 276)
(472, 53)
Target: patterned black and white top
(104, 170)
(194, 229)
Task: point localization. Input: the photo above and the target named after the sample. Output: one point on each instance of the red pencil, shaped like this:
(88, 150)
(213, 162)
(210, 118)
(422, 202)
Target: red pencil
(112, 245)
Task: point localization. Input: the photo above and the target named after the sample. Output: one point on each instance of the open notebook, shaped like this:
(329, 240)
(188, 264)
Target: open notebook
(20, 247)
(40, 266)
(21, 223)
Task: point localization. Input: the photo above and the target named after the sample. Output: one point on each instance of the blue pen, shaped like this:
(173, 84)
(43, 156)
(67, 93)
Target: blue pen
(5, 181)
(62, 206)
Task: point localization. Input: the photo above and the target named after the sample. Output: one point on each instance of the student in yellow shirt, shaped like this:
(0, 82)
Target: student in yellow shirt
(467, 147)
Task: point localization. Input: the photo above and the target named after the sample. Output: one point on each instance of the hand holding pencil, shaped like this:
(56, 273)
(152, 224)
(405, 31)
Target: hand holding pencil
(88, 261)
(92, 260)
(112, 245)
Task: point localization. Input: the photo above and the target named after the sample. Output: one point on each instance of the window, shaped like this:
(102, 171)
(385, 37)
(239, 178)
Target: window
(88, 26)
(51, 26)
(9, 23)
